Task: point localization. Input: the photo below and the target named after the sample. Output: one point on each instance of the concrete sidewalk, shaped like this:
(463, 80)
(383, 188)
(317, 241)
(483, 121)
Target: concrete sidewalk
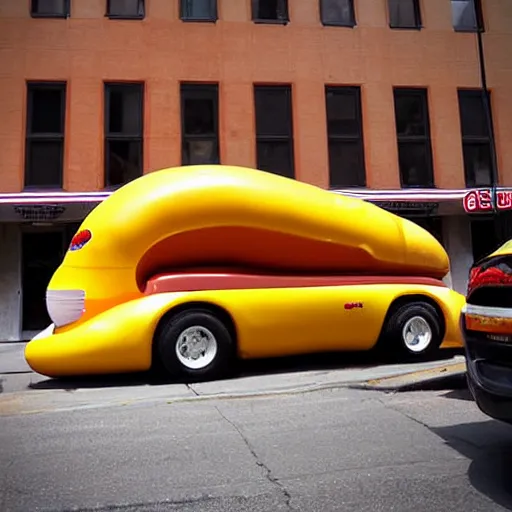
(29, 392)
(12, 358)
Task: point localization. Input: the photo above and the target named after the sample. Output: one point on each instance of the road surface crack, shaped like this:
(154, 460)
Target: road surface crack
(268, 472)
(192, 389)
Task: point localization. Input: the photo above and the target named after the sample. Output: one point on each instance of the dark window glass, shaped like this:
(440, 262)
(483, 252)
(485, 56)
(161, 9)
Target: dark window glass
(124, 112)
(45, 134)
(276, 157)
(415, 164)
(270, 10)
(125, 8)
(413, 137)
(343, 111)
(472, 114)
(47, 111)
(273, 111)
(44, 163)
(404, 13)
(346, 164)
(467, 15)
(200, 152)
(337, 12)
(198, 10)
(345, 137)
(477, 164)
(50, 8)
(200, 124)
(199, 116)
(410, 115)
(124, 161)
(274, 129)
(476, 140)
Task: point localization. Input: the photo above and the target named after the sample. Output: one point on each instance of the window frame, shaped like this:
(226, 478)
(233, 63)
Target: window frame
(426, 139)
(31, 86)
(140, 6)
(351, 24)
(475, 140)
(289, 137)
(359, 138)
(108, 137)
(57, 15)
(199, 89)
(213, 8)
(279, 21)
(417, 17)
(479, 17)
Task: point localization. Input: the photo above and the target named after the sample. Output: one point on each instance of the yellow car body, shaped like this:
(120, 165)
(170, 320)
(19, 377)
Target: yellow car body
(212, 218)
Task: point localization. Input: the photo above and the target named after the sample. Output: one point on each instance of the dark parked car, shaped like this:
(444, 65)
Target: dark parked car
(486, 324)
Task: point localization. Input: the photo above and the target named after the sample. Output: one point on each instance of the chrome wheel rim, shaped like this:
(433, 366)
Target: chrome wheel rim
(417, 334)
(196, 347)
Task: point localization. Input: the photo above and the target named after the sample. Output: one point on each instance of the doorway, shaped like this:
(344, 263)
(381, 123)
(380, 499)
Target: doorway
(42, 253)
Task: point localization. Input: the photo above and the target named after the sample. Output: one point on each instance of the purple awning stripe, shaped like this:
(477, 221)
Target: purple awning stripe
(434, 195)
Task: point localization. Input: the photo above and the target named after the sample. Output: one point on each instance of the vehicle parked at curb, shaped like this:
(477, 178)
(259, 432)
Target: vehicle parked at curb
(486, 323)
(188, 269)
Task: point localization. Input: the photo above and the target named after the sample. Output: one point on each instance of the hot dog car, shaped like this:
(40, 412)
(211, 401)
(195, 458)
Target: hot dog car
(487, 329)
(190, 268)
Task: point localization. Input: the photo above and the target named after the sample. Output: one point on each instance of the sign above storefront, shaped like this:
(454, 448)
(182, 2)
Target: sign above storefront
(480, 201)
(408, 207)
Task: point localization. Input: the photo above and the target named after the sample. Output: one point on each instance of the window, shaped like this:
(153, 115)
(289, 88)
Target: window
(125, 9)
(337, 12)
(476, 139)
(274, 129)
(345, 137)
(413, 136)
(49, 8)
(200, 124)
(404, 14)
(124, 113)
(467, 15)
(44, 148)
(198, 10)
(270, 11)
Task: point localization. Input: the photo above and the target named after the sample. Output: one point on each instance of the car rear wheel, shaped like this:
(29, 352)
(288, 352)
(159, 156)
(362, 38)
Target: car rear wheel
(196, 345)
(414, 329)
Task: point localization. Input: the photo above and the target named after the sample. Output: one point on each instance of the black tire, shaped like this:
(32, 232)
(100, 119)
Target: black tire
(392, 341)
(169, 334)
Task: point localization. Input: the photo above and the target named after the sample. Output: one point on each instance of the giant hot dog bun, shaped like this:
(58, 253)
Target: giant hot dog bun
(207, 216)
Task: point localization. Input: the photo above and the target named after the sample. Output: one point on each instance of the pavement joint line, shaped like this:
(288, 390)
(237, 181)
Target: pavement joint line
(204, 398)
(195, 398)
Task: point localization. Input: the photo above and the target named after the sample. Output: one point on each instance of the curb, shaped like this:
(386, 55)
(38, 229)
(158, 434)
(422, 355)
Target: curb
(452, 375)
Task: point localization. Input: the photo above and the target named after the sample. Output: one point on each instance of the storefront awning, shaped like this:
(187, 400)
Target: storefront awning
(74, 206)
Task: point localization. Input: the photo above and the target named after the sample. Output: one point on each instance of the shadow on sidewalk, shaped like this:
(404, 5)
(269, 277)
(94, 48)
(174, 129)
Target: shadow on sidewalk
(309, 363)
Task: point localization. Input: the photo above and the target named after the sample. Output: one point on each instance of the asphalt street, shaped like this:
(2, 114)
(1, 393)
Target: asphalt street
(332, 449)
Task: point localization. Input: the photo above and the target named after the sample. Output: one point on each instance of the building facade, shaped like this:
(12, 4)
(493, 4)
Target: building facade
(386, 100)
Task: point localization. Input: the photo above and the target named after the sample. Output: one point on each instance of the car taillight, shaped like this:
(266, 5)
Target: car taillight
(65, 306)
(80, 239)
(499, 275)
